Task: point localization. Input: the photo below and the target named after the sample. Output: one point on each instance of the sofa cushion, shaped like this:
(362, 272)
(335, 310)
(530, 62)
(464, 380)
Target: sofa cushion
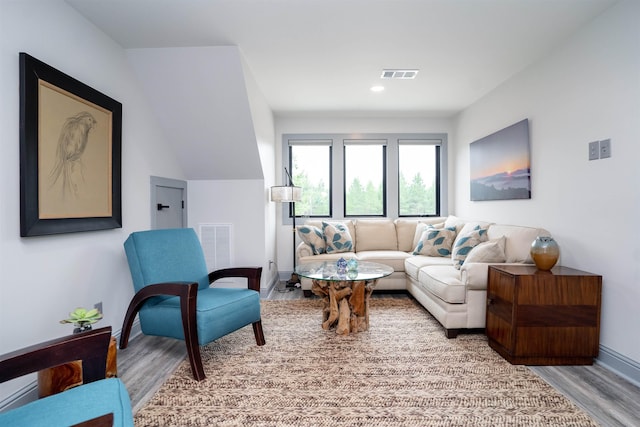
(420, 227)
(435, 241)
(415, 263)
(406, 231)
(349, 223)
(444, 282)
(519, 239)
(454, 221)
(394, 259)
(491, 251)
(337, 237)
(375, 235)
(465, 242)
(314, 237)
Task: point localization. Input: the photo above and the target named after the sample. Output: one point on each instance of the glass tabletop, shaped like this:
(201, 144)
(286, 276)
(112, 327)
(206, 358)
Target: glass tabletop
(328, 270)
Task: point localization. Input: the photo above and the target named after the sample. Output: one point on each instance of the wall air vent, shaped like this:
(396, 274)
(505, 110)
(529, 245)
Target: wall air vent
(399, 74)
(216, 244)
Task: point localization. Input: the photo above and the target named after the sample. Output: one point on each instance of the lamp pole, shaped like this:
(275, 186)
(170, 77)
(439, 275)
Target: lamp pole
(289, 194)
(294, 277)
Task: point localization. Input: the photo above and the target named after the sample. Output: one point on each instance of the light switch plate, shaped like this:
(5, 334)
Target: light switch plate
(594, 150)
(605, 148)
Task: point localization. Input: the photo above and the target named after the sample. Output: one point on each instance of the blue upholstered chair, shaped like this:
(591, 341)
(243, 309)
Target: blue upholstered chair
(97, 402)
(174, 296)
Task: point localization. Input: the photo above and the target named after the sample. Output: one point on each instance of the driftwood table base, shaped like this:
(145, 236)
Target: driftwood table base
(346, 304)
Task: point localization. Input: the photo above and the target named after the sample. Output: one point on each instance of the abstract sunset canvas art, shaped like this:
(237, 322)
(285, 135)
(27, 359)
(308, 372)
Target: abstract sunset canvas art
(501, 165)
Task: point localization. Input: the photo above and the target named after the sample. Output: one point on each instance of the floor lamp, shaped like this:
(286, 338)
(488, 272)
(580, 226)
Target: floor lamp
(289, 194)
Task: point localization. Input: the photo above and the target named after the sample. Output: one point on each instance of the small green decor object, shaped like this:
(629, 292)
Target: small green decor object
(82, 319)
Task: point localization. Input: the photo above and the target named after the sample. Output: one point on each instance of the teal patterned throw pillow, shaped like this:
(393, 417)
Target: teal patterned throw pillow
(312, 236)
(435, 241)
(465, 243)
(337, 237)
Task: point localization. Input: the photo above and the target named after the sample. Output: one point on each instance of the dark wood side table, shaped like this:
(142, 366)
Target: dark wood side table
(60, 378)
(537, 317)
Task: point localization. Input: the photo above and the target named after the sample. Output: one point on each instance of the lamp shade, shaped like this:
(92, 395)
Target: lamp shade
(286, 194)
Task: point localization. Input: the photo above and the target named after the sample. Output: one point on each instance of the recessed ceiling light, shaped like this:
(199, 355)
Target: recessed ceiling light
(377, 88)
(399, 74)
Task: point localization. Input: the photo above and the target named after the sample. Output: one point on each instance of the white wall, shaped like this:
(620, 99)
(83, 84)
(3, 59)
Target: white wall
(343, 124)
(43, 278)
(199, 95)
(587, 90)
(237, 202)
(264, 127)
(225, 131)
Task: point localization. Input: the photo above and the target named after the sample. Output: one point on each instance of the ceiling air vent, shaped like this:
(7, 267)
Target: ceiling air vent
(399, 74)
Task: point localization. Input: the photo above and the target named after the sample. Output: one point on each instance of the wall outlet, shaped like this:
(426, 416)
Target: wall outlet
(605, 148)
(98, 306)
(594, 150)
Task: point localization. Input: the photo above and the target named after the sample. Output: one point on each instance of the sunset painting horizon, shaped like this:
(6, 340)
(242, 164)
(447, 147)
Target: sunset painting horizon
(500, 164)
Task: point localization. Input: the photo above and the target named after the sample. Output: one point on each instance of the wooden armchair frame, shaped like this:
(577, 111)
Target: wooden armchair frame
(188, 293)
(90, 347)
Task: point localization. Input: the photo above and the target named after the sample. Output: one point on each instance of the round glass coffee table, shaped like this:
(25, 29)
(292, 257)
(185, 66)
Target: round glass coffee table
(345, 294)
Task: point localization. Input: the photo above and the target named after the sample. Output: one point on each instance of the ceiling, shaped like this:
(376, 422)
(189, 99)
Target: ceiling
(322, 56)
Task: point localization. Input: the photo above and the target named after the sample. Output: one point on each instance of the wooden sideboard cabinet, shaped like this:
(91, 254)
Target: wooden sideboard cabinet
(537, 317)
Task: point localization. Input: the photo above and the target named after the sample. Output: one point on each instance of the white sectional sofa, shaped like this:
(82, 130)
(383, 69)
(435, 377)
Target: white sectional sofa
(451, 286)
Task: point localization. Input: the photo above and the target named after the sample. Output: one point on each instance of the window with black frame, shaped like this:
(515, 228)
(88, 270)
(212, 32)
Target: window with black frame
(372, 175)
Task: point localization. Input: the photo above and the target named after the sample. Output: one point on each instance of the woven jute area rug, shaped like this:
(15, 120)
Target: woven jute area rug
(403, 371)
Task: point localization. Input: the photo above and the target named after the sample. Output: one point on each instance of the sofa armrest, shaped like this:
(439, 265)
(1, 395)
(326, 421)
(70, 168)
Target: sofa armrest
(303, 250)
(475, 275)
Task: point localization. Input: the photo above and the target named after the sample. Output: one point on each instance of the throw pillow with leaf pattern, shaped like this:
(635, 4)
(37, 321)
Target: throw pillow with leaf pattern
(314, 237)
(435, 241)
(465, 243)
(337, 237)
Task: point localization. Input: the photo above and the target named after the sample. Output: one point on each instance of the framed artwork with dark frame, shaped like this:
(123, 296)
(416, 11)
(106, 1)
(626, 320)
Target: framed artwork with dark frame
(70, 148)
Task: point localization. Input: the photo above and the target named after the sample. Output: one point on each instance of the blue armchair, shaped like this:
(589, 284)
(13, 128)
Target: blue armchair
(174, 296)
(97, 402)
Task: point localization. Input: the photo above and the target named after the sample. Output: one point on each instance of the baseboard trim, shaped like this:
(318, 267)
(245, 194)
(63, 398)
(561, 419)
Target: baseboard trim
(29, 392)
(26, 394)
(619, 364)
(265, 292)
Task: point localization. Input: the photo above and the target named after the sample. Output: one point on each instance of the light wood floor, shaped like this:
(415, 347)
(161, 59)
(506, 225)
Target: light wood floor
(608, 398)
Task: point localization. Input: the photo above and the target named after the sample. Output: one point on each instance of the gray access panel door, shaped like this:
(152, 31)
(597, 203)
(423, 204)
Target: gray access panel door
(168, 203)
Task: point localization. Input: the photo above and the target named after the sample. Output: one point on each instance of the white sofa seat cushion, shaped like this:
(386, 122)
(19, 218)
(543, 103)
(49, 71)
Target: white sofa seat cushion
(414, 263)
(394, 259)
(444, 282)
(376, 235)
